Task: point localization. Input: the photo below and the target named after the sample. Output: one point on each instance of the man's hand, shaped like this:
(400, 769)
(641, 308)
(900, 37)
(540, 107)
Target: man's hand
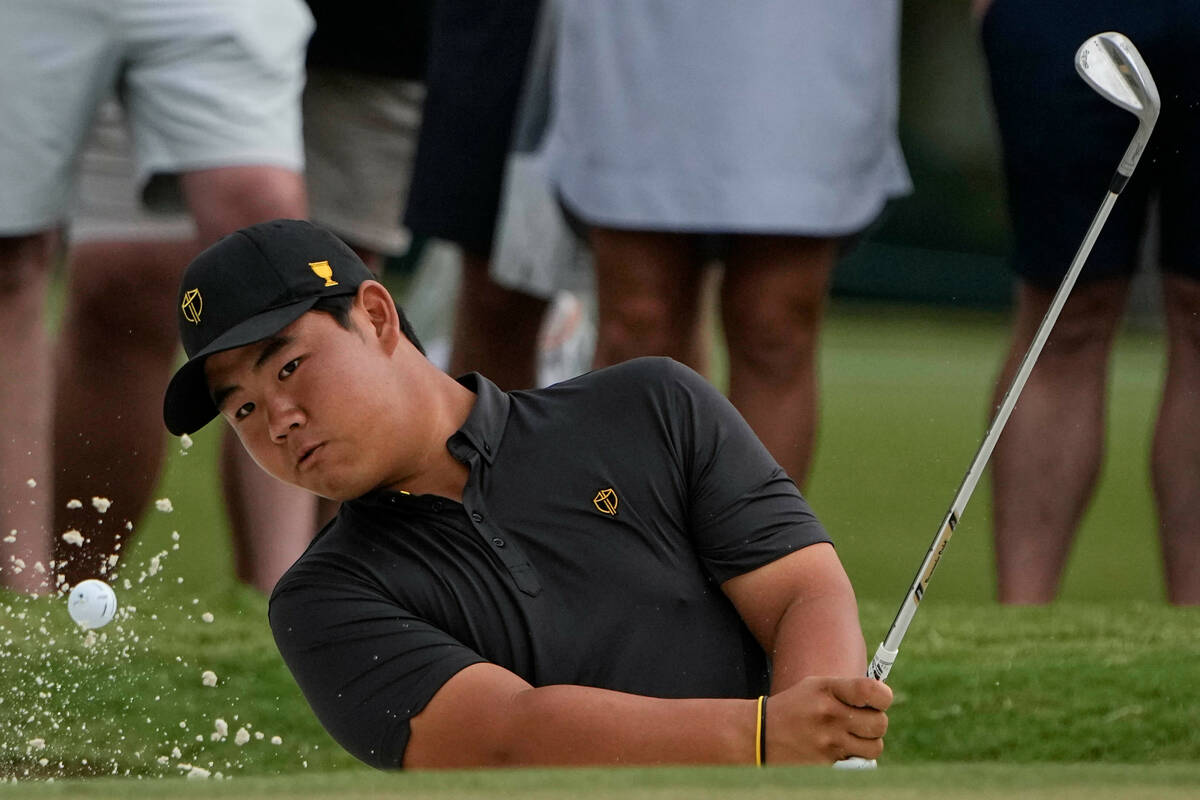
(823, 720)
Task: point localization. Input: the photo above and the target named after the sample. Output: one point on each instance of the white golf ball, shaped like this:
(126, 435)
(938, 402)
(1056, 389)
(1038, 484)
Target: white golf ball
(92, 603)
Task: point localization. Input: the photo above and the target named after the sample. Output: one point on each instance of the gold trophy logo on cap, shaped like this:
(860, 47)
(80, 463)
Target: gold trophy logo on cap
(323, 270)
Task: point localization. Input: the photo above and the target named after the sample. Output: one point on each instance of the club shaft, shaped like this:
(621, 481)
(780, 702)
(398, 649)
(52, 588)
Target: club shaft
(885, 656)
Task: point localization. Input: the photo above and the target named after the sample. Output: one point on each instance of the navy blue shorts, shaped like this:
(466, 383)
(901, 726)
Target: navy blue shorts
(477, 62)
(1062, 141)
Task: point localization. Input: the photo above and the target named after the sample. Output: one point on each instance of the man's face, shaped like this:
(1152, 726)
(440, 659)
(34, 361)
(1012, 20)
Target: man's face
(315, 405)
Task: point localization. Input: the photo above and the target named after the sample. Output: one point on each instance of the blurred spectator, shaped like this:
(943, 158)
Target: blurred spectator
(536, 251)
(361, 116)
(477, 63)
(212, 93)
(762, 134)
(1062, 142)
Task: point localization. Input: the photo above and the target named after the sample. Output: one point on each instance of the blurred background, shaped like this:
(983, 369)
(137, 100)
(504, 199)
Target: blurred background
(917, 328)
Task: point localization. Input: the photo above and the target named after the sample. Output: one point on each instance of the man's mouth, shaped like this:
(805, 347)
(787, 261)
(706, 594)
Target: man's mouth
(307, 454)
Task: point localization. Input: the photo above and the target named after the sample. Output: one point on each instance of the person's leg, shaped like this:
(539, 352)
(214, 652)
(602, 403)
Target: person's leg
(495, 329)
(1176, 455)
(772, 304)
(25, 397)
(647, 296)
(224, 199)
(271, 522)
(113, 361)
(1045, 464)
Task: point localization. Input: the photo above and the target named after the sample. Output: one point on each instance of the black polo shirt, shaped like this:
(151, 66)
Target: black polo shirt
(600, 517)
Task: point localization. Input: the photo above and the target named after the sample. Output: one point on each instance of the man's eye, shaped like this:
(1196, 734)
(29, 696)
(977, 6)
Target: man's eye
(243, 411)
(289, 368)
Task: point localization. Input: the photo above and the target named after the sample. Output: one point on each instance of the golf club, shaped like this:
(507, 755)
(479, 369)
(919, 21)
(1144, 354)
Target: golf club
(1113, 67)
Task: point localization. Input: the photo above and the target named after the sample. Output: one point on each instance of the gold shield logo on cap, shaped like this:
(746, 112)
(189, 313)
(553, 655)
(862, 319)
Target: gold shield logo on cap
(323, 270)
(606, 502)
(192, 305)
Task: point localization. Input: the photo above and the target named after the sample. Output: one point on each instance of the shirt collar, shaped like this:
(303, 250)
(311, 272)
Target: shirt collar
(484, 427)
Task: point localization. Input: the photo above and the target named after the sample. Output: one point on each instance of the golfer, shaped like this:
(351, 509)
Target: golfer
(611, 570)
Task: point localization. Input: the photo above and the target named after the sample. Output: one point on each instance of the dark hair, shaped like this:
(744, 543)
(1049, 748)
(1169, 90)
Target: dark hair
(338, 306)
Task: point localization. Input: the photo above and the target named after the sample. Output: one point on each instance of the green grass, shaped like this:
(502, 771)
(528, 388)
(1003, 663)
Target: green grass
(1070, 683)
(925, 782)
(906, 397)
(1007, 696)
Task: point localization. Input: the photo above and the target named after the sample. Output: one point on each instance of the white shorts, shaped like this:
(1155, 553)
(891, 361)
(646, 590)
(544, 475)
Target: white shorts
(205, 83)
(108, 203)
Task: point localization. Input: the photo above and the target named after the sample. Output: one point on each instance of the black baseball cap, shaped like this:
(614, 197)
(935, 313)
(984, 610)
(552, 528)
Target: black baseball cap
(251, 284)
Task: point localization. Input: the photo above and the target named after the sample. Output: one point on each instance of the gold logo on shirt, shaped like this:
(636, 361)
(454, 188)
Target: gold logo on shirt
(323, 270)
(192, 305)
(606, 502)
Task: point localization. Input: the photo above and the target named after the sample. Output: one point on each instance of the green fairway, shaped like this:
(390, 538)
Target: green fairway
(1071, 683)
(906, 398)
(928, 782)
(1087, 698)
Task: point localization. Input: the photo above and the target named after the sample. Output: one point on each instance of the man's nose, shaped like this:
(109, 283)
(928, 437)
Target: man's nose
(283, 417)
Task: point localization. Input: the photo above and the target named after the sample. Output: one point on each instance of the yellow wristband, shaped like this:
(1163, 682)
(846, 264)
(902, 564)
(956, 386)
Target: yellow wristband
(760, 732)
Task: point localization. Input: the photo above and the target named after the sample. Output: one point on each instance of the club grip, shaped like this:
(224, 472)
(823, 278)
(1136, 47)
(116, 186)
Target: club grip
(881, 663)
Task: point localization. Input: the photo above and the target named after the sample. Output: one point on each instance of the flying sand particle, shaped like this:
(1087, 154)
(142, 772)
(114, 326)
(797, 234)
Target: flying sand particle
(208, 678)
(101, 504)
(73, 537)
(74, 504)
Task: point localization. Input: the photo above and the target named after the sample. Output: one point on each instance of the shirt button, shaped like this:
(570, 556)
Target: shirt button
(498, 541)
(487, 448)
(437, 505)
(475, 515)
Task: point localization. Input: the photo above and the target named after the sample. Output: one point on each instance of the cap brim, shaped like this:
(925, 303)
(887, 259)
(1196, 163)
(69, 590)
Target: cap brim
(188, 404)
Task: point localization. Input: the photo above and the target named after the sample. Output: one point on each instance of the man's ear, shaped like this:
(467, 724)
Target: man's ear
(376, 304)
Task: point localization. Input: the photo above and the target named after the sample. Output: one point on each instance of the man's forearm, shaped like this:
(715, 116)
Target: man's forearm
(483, 718)
(596, 726)
(818, 635)
(487, 717)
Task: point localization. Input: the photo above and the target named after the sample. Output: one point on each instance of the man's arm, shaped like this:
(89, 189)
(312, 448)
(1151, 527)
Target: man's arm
(801, 609)
(487, 716)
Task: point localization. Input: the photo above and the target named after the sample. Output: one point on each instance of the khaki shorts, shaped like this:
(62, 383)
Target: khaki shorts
(205, 83)
(360, 134)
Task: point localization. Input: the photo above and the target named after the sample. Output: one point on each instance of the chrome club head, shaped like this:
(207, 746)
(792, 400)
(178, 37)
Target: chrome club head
(1114, 68)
